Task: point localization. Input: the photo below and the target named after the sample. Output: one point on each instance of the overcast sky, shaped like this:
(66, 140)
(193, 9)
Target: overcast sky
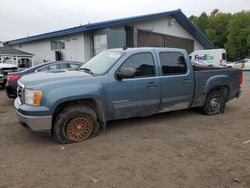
(22, 18)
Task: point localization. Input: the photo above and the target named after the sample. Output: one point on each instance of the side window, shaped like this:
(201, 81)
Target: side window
(224, 57)
(173, 63)
(53, 67)
(73, 66)
(62, 66)
(43, 69)
(142, 63)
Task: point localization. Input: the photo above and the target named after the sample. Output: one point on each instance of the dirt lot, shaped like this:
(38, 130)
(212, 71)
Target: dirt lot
(177, 149)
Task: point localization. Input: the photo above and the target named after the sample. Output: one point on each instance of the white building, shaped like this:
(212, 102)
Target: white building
(19, 58)
(167, 29)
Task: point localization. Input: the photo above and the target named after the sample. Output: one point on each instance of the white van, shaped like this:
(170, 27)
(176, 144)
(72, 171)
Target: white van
(216, 57)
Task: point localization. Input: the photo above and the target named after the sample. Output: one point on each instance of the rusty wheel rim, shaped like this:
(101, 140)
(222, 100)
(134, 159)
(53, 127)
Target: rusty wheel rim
(79, 128)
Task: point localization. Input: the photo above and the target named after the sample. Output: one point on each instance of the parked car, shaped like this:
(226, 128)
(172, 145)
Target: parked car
(11, 86)
(6, 68)
(119, 84)
(230, 64)
(243, 64)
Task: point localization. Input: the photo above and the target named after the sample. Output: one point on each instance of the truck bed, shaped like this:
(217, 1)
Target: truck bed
(219, 75)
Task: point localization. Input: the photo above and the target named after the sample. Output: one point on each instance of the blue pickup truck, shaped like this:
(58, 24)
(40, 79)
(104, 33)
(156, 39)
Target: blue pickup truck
(117, 84)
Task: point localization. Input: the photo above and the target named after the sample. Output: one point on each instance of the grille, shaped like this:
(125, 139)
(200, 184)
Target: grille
(20, 91)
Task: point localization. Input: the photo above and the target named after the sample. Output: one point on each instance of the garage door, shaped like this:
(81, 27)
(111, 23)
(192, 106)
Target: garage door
(150, 39)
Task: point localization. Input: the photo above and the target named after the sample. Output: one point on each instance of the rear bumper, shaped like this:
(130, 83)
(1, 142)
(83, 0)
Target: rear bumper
(40, 124)
(239, 94)
(1, 79)
(11, 91)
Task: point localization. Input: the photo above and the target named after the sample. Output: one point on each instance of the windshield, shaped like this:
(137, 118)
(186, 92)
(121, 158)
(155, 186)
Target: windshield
(102, 62)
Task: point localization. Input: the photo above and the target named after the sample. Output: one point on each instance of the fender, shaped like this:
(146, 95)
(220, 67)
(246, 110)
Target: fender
(69, 93)
(217, 81)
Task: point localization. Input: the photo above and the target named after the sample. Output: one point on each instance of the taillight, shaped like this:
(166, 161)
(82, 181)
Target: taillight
(11, 78)
(241, 79)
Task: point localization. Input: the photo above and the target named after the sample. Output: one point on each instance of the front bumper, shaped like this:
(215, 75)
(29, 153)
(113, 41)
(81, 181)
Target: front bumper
(35, 123)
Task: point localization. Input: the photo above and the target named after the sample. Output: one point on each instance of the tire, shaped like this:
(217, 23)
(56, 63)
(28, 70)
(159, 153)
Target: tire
(75, 124)
(215, 103)
(4, 84)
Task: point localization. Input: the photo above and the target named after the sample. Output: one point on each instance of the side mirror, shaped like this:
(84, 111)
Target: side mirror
(125, 73)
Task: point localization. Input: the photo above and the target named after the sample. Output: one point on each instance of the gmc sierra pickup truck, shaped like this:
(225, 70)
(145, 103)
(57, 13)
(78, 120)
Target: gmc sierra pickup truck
(121, 83)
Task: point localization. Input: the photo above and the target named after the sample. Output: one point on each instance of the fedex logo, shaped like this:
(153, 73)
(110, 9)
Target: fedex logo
(204, 57)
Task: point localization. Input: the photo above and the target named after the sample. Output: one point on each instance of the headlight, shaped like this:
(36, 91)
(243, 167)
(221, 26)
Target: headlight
(32, 97)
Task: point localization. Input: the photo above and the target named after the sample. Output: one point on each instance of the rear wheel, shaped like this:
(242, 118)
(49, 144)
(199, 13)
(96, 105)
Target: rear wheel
(75, 124)
(215, 103)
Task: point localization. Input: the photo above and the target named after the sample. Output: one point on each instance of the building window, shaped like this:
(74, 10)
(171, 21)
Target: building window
(57, 45)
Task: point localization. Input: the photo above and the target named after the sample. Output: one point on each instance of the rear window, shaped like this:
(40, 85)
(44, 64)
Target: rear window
(173, 63)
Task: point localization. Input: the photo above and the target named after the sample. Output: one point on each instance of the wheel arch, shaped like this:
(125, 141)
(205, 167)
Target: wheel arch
(222, 88)
(220, 83)
(92, 103)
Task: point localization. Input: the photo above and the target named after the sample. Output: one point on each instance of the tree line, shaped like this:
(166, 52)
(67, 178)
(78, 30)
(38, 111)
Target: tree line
(226, 30)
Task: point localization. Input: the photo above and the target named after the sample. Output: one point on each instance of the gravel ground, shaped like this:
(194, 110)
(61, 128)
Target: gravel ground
(176, 149)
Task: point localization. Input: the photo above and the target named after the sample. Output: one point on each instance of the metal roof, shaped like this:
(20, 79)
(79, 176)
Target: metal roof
(177, 14)
(6, 50)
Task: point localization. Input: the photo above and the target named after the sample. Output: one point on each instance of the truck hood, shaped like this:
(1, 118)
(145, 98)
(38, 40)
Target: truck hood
(52, 76)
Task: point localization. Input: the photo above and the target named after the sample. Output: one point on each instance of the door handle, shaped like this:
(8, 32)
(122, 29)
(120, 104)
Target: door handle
(186, 81)
(152, 85)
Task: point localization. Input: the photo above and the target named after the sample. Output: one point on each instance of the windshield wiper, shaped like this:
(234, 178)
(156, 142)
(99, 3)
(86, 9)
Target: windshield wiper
(87, 70)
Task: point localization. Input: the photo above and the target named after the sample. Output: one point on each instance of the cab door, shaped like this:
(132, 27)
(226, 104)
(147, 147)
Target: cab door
(177, 81)
(137, 96)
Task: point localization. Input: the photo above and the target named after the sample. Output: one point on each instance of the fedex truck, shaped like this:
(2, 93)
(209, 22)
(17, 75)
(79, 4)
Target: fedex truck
(216, 57)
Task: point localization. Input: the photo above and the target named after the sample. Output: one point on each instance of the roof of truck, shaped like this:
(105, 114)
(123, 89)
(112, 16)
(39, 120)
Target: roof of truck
(148, 48)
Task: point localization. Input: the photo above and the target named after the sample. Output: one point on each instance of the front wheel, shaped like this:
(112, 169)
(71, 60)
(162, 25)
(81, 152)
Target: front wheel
(215, 103)
(75, 124)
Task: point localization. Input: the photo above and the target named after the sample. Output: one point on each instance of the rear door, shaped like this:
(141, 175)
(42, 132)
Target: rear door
(177, 82)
